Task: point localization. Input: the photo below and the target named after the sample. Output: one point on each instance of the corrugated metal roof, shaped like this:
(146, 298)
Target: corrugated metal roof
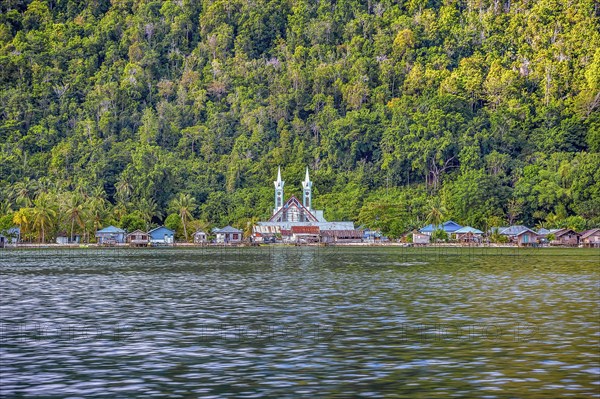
(468, 229)
(342, 233)
(137, 232)
(161, 227)
(111, 229)
(450, 227)
(516, 230)
(562, 232)
(587, 233)
(305, 229)
(228, 229)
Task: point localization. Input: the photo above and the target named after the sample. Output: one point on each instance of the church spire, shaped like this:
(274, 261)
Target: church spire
(278, 191)
(307, 191)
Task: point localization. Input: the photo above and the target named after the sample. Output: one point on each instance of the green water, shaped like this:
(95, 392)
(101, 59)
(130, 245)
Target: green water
(300, 322)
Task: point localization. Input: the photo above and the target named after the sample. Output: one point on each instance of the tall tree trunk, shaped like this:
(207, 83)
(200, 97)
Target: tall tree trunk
(184, 228)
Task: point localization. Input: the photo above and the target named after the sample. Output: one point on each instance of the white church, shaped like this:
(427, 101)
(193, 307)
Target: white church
(296, 222)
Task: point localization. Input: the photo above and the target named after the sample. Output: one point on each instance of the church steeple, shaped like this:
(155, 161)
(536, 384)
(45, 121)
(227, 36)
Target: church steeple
(307, 191)
(278, 191)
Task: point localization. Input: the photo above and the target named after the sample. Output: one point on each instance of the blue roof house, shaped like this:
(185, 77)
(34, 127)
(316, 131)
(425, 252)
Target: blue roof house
(162, 235)
(10, 236)
(110, 234)
(449, 227)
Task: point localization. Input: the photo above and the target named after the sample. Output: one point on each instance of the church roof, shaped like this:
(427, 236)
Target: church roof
(322, 225)
(293, 202)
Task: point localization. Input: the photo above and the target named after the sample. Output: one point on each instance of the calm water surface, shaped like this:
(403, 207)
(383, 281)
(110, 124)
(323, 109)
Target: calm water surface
(299, 322)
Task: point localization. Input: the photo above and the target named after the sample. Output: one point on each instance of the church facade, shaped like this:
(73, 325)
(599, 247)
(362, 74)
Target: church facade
(296, 221)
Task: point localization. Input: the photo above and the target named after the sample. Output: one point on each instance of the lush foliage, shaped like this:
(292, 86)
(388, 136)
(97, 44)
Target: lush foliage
(127, 111)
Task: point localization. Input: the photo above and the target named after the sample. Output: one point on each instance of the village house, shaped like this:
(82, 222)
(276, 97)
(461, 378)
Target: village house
(369, 235)
(590, 238)
(162, 236)
(339, 236)
(200, 237)
(266, 234)
(10, 236)
(305, 234)
(469, 234)
(228, 235)
(64, 238)
(13, 235)
(542, 235)
(138, 238)
(450, 227)
(567, 237)
(420, 238)
(110, 235)
(520, 235)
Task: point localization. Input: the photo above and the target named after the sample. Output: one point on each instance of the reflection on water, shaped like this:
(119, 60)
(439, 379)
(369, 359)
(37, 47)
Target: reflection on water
(299, 322)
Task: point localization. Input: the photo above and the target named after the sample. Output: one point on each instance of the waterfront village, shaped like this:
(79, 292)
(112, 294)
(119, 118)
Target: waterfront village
(296, 222)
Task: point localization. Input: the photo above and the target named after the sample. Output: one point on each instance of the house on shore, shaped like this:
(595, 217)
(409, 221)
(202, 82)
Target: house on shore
(10, 236)
(450, 227)
(420, 238)
(521, 235)
(266, 234)
(590, 238)
(305, 234)
(369, 235)
(64, 238)
(469, 234)
(162, 236)
(567, 237)
(228, 235)
(138, 238)
(543, 235)
(200, 237)
(110, 235)
(339, 236)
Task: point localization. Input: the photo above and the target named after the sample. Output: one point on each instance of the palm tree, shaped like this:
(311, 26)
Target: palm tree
(24, 191)
(437, 212)
(184, 205)
(120, 209)
(45, 185)
(5, 207)
(96, 207)
(23, 218)
(149, 209)
(43, 214)
(74, 210)
(124, 188)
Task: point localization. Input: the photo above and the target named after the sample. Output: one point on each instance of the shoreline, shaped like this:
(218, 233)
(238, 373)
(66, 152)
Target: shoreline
(246, 245)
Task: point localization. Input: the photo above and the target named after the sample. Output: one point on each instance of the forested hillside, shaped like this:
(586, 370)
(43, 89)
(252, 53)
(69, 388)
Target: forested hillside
(128, 111)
